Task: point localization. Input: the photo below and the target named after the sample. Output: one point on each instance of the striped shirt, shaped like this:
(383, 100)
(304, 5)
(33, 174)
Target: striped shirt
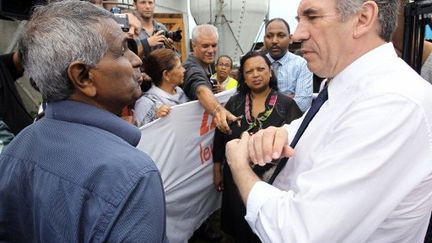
(295, 78)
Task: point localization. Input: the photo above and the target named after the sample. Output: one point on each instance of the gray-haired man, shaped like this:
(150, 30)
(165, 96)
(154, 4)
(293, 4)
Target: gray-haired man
(197, 85)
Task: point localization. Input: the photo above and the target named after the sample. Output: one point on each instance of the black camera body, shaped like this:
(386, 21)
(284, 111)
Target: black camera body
(173, 35)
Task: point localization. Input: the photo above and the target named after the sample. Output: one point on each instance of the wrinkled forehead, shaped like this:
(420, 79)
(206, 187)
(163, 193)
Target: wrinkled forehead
(112, 32)
(308, 7)
(277, 25)
(207, 38)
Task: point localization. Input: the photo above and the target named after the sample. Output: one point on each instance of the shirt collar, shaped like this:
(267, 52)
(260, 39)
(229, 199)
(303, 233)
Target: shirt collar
(349, 78)
(77, 112)
(282, 60)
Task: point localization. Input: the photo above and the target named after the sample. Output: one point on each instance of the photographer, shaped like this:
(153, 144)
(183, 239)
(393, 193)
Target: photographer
(155, 34)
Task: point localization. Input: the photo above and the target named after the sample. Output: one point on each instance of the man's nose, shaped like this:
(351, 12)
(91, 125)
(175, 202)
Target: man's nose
(131, 32)
(300, 34)
(135, 60)
(212, 49)
(255, 73)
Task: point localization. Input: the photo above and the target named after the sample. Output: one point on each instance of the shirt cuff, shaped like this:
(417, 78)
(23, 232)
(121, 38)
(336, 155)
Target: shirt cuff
(261, 192)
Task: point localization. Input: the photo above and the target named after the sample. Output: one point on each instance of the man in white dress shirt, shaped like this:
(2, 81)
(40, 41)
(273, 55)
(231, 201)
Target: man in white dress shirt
(362, 170)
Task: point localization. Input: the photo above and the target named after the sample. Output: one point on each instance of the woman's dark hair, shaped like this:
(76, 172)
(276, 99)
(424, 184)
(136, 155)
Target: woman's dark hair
(158, 61)
(242, 87)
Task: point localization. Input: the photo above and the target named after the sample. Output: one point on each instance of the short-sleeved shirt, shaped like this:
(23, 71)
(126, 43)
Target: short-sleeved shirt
(195, 75)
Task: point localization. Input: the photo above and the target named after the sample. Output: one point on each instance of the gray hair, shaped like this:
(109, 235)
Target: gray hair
(58, 34)
(204, 29)
(387, 15)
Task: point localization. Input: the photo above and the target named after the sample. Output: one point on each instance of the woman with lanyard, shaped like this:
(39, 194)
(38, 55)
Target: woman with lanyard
(260, 105)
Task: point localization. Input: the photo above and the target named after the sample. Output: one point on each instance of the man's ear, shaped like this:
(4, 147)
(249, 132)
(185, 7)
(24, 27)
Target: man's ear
(367, 18)
(193, 46)
(79, 75)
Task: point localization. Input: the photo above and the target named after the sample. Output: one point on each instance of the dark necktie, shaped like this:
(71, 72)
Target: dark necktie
(316, 105)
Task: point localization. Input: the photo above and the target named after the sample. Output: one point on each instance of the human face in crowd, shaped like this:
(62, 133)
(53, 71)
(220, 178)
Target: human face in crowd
(223, 67)
(135, 26)
(117, 76)
(145, 8)
(176, 74)
(325, 40)
(205, 48)
(277, 39)
(257, 74)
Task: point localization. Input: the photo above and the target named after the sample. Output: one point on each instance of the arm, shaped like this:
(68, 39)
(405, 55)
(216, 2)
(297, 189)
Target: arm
(304, 88)
(209, 102)
(237, 158)
(218, 158)
(217, 176)
(340, 198)
(151, 41)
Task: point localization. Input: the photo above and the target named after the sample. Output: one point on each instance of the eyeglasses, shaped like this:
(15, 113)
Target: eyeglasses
(227, 65)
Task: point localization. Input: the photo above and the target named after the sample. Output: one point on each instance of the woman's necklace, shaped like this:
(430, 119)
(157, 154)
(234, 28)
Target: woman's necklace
(262, 117)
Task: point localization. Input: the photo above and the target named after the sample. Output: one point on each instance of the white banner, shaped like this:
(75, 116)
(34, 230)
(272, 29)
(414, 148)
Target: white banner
(181, 146)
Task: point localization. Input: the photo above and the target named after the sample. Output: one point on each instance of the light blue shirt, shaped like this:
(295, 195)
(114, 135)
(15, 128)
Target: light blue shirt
(294, 77)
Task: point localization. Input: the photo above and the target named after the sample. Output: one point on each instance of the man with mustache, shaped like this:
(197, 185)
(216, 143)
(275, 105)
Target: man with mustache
(294, 78)
(75, 175)
(361, 169)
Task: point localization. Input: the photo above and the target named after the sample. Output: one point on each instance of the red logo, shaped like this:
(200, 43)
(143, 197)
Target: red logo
(205, 127)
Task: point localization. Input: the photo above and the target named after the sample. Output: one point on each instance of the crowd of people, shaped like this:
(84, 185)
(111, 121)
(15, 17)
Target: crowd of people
(351, 165)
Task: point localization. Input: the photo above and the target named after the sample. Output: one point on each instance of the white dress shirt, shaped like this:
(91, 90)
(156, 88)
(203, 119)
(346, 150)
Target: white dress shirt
(362, 171)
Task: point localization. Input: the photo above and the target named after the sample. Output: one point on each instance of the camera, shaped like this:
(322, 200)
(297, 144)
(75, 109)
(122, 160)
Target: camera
(121, 19)
(173, 35)
(213, 82)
